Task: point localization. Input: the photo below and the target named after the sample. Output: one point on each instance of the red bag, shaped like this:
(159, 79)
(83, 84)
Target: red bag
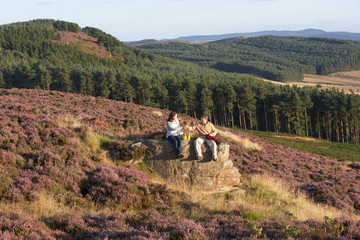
(213, 138)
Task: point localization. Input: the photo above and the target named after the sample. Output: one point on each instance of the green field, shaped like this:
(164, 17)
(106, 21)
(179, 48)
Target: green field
(346, 151)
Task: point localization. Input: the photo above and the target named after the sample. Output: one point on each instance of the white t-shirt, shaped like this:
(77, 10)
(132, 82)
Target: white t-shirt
(173, 128)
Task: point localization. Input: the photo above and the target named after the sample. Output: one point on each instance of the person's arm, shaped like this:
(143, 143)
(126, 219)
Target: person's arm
(193, 128)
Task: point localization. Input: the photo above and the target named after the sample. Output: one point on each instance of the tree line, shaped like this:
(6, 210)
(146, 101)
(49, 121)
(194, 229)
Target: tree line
(231, 100)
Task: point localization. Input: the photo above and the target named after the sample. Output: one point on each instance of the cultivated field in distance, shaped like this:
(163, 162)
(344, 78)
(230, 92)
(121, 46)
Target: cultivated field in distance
(342, 80)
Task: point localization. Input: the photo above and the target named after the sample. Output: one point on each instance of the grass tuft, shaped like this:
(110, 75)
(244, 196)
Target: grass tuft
(272, 199)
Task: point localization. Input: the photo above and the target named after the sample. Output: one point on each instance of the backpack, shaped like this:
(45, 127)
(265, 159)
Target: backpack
(214, 139)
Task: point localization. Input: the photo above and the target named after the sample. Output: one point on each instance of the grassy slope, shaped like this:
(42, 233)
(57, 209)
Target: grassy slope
(54, 162)
(341, 151)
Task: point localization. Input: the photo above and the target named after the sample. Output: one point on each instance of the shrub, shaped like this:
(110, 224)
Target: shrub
(115, 185)
(70, 223)
(122, 151)
(15, 226)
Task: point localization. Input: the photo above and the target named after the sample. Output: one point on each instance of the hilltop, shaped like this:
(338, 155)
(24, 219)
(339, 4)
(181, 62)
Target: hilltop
(57, 176)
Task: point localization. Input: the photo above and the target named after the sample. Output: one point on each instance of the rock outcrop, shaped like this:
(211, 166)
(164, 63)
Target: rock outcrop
(202, 174)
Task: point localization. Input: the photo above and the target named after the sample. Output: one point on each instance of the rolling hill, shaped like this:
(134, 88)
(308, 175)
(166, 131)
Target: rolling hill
(271, 57)
(57, 55)
(58, 181)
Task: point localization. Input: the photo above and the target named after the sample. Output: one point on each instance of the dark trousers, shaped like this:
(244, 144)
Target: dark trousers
(177, 143)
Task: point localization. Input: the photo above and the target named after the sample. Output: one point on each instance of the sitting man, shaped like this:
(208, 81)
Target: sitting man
(204, 128)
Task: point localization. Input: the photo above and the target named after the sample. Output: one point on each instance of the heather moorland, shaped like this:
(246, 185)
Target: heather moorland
(58, 181)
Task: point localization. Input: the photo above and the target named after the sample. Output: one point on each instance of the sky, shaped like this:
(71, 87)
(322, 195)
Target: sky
(132, 20)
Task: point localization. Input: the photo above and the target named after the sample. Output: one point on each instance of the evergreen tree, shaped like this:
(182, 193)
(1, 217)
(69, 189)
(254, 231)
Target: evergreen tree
(307, 105)
(60, 80)
(206, 102)
(2, 81)
(44, 77)
(247, 105)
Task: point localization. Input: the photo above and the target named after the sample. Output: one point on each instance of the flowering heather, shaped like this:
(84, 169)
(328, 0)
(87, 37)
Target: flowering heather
(119, 185)
(41, 151)
(16, 227)
(326, 180)
(150, 224)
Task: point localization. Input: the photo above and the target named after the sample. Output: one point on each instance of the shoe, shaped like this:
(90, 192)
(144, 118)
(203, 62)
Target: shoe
(199, 158)
(180, 155)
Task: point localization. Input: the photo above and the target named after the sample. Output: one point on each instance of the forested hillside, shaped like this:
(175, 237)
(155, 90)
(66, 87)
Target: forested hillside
(31, 58)
(272, 57)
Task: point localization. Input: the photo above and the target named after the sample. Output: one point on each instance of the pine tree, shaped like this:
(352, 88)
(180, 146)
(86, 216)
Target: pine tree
(206, 102)
(2, 81)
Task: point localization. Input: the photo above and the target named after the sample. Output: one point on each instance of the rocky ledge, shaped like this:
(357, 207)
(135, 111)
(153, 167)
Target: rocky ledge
(202, 174)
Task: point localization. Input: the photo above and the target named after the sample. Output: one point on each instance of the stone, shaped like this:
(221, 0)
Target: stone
(202, 174)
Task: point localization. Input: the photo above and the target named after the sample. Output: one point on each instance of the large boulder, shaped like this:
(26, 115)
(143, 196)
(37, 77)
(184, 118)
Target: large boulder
(202, 174)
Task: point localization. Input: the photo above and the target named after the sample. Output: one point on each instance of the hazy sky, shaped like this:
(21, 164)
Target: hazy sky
(130, 20)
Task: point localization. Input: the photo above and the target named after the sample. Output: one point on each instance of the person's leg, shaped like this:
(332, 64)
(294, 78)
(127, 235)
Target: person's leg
(173, 140)
(179, 146)
(213, 147)
(198, 142)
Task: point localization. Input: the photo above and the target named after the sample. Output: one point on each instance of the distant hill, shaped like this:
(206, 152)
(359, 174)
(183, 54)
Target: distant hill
(301, 33)
(271, 57)
(217, 37)
(142, 42)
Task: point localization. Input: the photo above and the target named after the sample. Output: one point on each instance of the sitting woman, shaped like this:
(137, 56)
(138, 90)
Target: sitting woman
(173, 133)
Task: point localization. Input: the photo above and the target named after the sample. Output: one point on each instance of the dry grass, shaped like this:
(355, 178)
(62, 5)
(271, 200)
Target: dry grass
(246, 143)
(271, 198)
(68, 121)
(342, 80)
(91, 142)
(308, 139)
(265, 198)
(44, 206)
(353, 75)
(157, 113)
(47, 206)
